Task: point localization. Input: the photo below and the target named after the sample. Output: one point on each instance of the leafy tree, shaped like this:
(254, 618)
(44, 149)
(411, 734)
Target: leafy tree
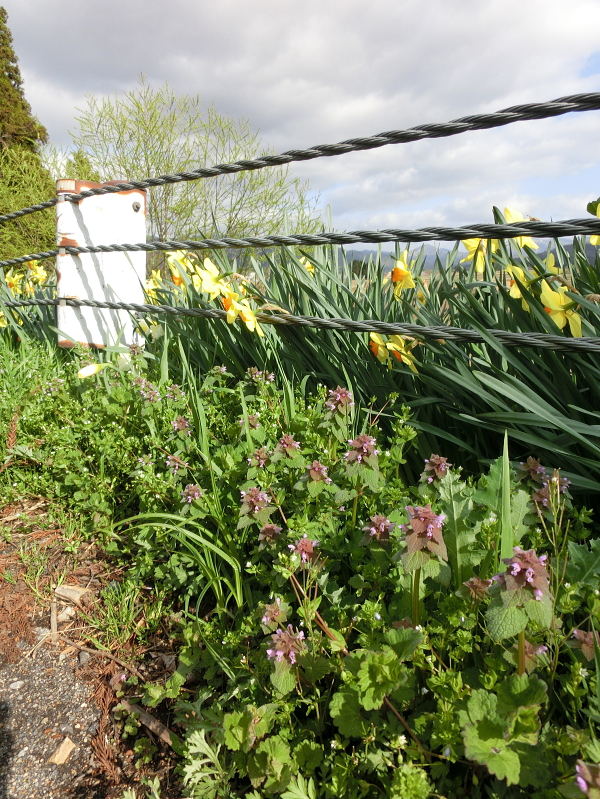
(23, 179)
(149, 132)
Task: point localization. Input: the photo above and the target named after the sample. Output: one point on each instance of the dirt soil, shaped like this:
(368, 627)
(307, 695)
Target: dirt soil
(56, 699)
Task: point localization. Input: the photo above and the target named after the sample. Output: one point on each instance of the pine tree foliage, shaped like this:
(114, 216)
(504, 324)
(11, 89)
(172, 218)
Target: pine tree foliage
(17, 123)
(23, 179)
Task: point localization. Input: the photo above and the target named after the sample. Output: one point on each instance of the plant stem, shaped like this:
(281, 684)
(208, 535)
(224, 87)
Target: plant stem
(415, 596)
(521, 654)
(355, 503)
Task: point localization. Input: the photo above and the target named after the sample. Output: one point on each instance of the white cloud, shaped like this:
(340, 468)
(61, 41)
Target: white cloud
(325, 71)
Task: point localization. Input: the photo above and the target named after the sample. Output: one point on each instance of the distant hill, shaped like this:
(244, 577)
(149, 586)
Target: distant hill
(430, 252)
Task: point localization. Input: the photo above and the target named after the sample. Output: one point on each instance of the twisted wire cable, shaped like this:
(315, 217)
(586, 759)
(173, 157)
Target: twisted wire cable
(517, 113)
(552, 230)
(439, 333)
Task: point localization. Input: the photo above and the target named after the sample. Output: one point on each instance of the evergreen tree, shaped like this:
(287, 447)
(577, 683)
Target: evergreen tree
(17, 123)
(23, 179)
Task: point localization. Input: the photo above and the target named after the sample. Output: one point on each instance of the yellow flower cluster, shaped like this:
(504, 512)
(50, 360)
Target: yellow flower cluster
(397, 346)
(209, 280)
(477, 248)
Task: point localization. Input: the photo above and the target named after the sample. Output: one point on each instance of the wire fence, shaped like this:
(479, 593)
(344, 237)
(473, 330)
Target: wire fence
(536, 228)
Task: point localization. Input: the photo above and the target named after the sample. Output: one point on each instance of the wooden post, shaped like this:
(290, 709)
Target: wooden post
(117, 218)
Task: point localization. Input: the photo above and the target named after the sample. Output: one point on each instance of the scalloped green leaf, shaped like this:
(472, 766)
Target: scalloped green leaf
(503, 622)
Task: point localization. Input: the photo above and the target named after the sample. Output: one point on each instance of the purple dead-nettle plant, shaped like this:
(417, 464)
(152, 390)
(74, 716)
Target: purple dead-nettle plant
(253, 500)
(379, 529)
(305, 548)
(275, 615)
(477, 588)
(531, 654)
(585, 642)
(435, 468)
(268, 534)
(148, 391)
(424, 531)
(253, 422)
(587, 778)
(288, 446)
(531, 469)
(362, 450)
(339, 400)
(259, 458)
(174, 392)
(525, 572)
(174, 464)
(318, 473)
(287, 645)
(191, 492)
(259, 377)
(551, 490)
(181, 425)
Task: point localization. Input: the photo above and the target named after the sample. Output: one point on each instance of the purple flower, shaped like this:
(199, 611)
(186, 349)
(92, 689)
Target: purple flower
(259, 458)
(588, 778)
(435, 468)
(305, 548)
(268, 534)
(173, 392)
(287, 644)
(339, 400)
(253, 500)
(380, 528)
(275, 614)
(532, 469)
(287, 446)
(254, 374)
(148, 391)
(181, 424)
(318, 473)
(424, 531)
(525, 571)
(191, 492)
(175, 464)
(362, 448)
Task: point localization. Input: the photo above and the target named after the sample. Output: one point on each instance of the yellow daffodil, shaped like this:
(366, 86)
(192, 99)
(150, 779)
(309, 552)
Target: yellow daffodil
(3, 320)
(211, 279)
(379, 349)
(397, 346)
(92, 369)
(561, 308)
(516, 216)
(36, 272)
(310, 268)
(236, 306)
(518, 274)
(153, 283)
(13, 281)
(476, 250)
(401, 276)
(400, 349)
(550, 264)
(595, 240)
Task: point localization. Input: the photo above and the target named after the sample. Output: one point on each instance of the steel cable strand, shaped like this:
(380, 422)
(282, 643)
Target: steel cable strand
(553, 230)
(438, 333)
(517, 113)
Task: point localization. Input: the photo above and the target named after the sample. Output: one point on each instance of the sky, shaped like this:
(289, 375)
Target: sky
(322, 71)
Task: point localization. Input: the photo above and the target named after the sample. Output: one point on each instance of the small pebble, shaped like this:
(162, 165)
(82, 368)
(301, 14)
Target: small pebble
(14, 686)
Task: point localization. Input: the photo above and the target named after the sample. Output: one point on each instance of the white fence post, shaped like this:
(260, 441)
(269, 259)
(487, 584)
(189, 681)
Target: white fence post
(115, 277)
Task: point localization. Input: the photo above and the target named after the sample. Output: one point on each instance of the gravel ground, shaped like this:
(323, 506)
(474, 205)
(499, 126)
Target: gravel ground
(41, 704)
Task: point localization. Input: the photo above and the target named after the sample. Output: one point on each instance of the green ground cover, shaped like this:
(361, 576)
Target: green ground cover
(351, 626)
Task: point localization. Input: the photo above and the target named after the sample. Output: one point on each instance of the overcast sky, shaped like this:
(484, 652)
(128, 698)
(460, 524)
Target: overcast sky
(324, 70)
